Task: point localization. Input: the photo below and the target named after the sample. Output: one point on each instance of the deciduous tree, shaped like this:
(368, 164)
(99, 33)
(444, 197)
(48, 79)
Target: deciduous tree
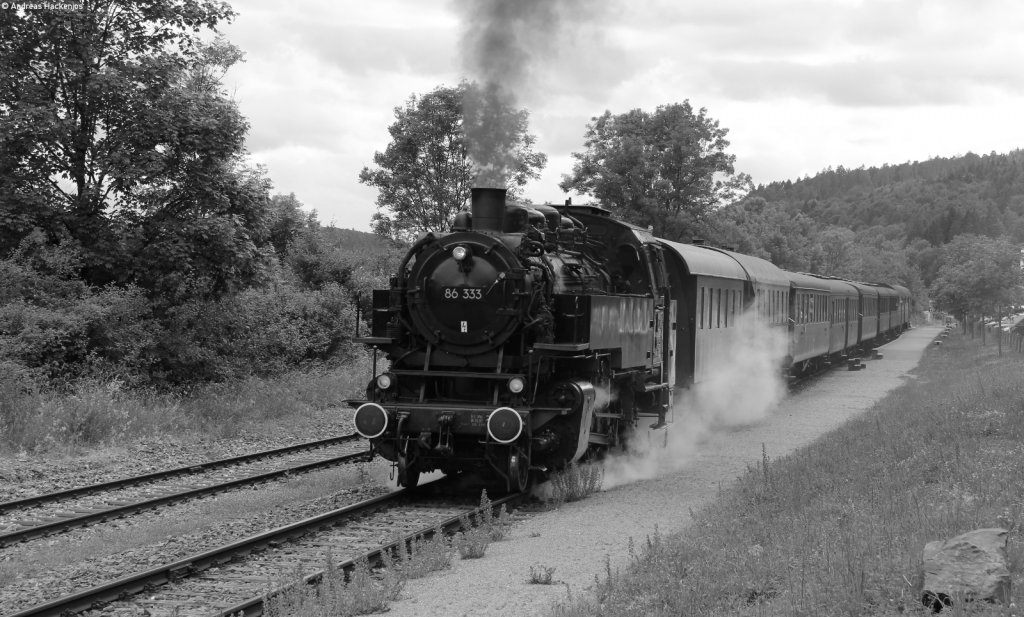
(667, 169)
(116, 134)
(425, 174)
(979, 275)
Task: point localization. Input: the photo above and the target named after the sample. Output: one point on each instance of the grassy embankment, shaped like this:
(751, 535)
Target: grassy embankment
(96, 413)
(838, 527)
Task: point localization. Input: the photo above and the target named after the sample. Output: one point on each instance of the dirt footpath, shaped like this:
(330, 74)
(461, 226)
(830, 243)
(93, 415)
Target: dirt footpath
(578, 537)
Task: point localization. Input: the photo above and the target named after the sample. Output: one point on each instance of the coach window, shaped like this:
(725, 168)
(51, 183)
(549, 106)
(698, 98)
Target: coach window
(718, 308)
(700, 309)
(711, 308)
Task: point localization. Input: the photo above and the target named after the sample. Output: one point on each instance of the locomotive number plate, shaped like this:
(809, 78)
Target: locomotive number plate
(462, 293)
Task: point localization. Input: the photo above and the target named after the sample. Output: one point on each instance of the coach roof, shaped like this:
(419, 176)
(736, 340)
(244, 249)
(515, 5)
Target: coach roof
(759, 270)
(704, 261)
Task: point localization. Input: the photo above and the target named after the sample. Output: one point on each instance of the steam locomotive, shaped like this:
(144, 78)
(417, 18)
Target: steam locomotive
(529, 337)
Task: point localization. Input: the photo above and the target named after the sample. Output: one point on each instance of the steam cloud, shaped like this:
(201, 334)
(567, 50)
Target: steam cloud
(742, 388)
(502, 44)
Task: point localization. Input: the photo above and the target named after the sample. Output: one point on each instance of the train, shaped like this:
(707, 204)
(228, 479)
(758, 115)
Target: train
(528, 337)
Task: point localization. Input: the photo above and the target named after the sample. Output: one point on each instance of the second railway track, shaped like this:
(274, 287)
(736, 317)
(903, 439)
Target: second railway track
(233, 579)
(41, 515)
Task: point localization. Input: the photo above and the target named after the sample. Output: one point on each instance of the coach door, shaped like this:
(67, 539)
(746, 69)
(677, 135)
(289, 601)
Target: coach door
(663, 343)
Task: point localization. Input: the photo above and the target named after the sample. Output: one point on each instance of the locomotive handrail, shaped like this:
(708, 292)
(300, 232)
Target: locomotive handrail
(449, 405)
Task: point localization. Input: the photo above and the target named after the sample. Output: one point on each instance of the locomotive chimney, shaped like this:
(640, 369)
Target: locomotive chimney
(488, 207)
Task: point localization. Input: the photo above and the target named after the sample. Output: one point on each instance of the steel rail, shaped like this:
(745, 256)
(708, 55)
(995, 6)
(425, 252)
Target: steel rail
(169, 473)
(253, 607)
(38, 531)
(98, 597)
(123, 588)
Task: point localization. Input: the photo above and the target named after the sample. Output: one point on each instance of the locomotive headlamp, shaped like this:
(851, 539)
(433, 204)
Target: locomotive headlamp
(516, 385)
(460, 253)
(384, 381)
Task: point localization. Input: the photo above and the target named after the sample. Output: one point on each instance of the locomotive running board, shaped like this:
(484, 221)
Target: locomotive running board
(436, 373)
(568, 347)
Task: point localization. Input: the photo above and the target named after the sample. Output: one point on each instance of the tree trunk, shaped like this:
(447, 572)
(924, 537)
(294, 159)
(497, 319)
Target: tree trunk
(999, 332)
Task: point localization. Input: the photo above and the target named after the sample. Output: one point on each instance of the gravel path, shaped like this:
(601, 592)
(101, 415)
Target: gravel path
(576, 538)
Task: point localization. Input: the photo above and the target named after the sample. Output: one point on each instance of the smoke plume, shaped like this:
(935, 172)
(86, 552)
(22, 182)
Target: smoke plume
(503, 42)
(742, 387)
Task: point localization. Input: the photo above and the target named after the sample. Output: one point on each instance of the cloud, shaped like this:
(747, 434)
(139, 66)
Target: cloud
(800, 84)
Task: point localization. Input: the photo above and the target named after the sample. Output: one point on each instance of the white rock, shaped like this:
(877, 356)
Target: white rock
(971, 566)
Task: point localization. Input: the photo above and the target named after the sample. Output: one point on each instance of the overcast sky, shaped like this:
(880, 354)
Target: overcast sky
(800, 84)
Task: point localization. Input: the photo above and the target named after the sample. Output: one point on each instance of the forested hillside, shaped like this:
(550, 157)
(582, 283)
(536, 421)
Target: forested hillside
(887, 223)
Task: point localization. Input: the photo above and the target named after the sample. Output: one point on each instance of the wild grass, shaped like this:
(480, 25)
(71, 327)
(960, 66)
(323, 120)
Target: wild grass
(473, 540)
(95, 413)
(838, 527)
(575, 482)
(426, 555)
(362, 592)
(541, 575)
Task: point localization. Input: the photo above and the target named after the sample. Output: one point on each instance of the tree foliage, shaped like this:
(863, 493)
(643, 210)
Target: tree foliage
(889, 223)
(135, 240)
(935, 200)
(117, 137)
(978, 275)
(425, 174)
(668, 169)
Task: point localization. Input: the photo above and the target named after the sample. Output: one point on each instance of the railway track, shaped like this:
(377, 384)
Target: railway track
(34, 517)
(233, 579)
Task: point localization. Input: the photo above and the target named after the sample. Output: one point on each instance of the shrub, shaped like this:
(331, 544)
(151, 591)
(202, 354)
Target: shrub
(62, 329)
(425, 556)
(259, 331)
(576, 482)
(495, 526)
(541, 575)
(471, 542)
(364, 592)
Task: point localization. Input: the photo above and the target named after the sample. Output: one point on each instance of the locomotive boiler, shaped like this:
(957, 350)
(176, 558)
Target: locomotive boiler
(522, 340)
